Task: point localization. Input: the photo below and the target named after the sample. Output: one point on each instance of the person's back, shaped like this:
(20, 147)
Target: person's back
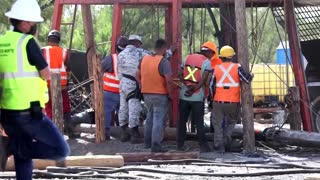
(23, 70)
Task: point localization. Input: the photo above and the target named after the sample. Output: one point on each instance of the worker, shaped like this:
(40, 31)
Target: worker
(215, 60)
(23, 72)
(154, 75)
(194, 73)
(111, 84)
(130, 95)
(226, 100)
(56, 58)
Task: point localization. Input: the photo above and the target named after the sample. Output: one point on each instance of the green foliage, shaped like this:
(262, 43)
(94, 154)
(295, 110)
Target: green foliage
(148, 21)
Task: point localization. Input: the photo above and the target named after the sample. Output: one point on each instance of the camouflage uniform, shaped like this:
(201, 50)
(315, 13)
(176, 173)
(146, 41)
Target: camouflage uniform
(128, 62)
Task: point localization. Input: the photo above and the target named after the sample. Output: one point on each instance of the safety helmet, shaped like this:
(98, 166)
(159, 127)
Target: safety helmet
(135, 37)
(122, 42)
(25, 10)
(227, 52)
(209, 45)
(55, 34)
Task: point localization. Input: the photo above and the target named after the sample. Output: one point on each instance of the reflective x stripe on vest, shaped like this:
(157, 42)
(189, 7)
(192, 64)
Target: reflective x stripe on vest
(226, 75)
(191, 74)
(62, 69)
(111, 80)
(20, 71)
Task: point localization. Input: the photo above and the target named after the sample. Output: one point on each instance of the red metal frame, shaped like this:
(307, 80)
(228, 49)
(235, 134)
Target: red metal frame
(173, 17)
(297, 63)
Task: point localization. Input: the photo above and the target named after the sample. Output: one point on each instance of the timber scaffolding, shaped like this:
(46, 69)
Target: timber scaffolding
(233, 32)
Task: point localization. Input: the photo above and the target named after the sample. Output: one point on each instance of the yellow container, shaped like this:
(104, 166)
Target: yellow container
(271, 80)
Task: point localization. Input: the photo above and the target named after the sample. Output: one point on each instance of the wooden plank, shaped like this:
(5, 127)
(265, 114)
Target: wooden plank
(295, 51)
(145, 156)
(98, 102)
(246, 91)
(56, 99)
(96, 160)
(94, 69)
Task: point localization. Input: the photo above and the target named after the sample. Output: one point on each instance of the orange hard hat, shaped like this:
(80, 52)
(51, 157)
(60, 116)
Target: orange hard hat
(209, 45)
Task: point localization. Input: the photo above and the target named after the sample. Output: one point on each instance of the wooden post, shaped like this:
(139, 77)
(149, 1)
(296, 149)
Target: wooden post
(98, 103)
(246, 91)
(292, 100)
(94, 69)
(56, 99)
(298, 71)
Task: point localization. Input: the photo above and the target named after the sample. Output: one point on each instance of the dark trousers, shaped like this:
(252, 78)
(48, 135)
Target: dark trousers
(31, 138)
(197, 109)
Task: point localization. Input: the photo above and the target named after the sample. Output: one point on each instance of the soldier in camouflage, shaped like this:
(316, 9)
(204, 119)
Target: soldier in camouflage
(130, 95)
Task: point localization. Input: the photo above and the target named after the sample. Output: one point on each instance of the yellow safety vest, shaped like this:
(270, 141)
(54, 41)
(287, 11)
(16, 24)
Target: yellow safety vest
(20, 81)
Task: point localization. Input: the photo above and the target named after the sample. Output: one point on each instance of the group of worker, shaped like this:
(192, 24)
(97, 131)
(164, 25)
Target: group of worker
(131, 75)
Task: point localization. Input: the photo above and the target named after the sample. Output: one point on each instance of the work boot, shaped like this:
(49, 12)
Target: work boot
(135, 136)
(125, 135)
(158, 150)
(4, 152)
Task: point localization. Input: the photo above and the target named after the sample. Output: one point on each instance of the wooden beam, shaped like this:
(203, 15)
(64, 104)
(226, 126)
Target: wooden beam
(246, 91)
(145, 156)
(176, 31)
(98, 101)
(94, 69)
(228, 25)
(298, 71)
(116, 25)
(56, 99)
(96, 160)
(57, 14)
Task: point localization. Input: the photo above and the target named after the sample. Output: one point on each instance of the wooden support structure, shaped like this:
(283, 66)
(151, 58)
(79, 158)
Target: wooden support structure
(96, 160)
(292, 100)
(98, 103)
(56, 100)
(295, 50)
(145, 156)
(246, 91)
(94, 69)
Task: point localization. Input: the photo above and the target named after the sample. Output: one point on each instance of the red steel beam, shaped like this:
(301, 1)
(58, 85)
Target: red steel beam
(57, 15)
(176, 16)
(295, 50)
(116, 25)
(146, 2)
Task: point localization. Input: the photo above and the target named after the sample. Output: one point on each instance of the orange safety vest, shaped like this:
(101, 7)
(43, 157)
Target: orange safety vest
(56, 57)
(111, 80)
(151, 80)
(227, 82)
(192, 69)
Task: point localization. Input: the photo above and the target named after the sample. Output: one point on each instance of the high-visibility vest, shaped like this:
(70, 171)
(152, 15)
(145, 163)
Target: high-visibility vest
(151, 80)
(56, 57)
(192, 69)
(227, 82)
(111, 80)
(20, 82)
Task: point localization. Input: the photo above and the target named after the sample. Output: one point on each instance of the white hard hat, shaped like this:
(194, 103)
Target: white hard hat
(25, 10)
(135, 37)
